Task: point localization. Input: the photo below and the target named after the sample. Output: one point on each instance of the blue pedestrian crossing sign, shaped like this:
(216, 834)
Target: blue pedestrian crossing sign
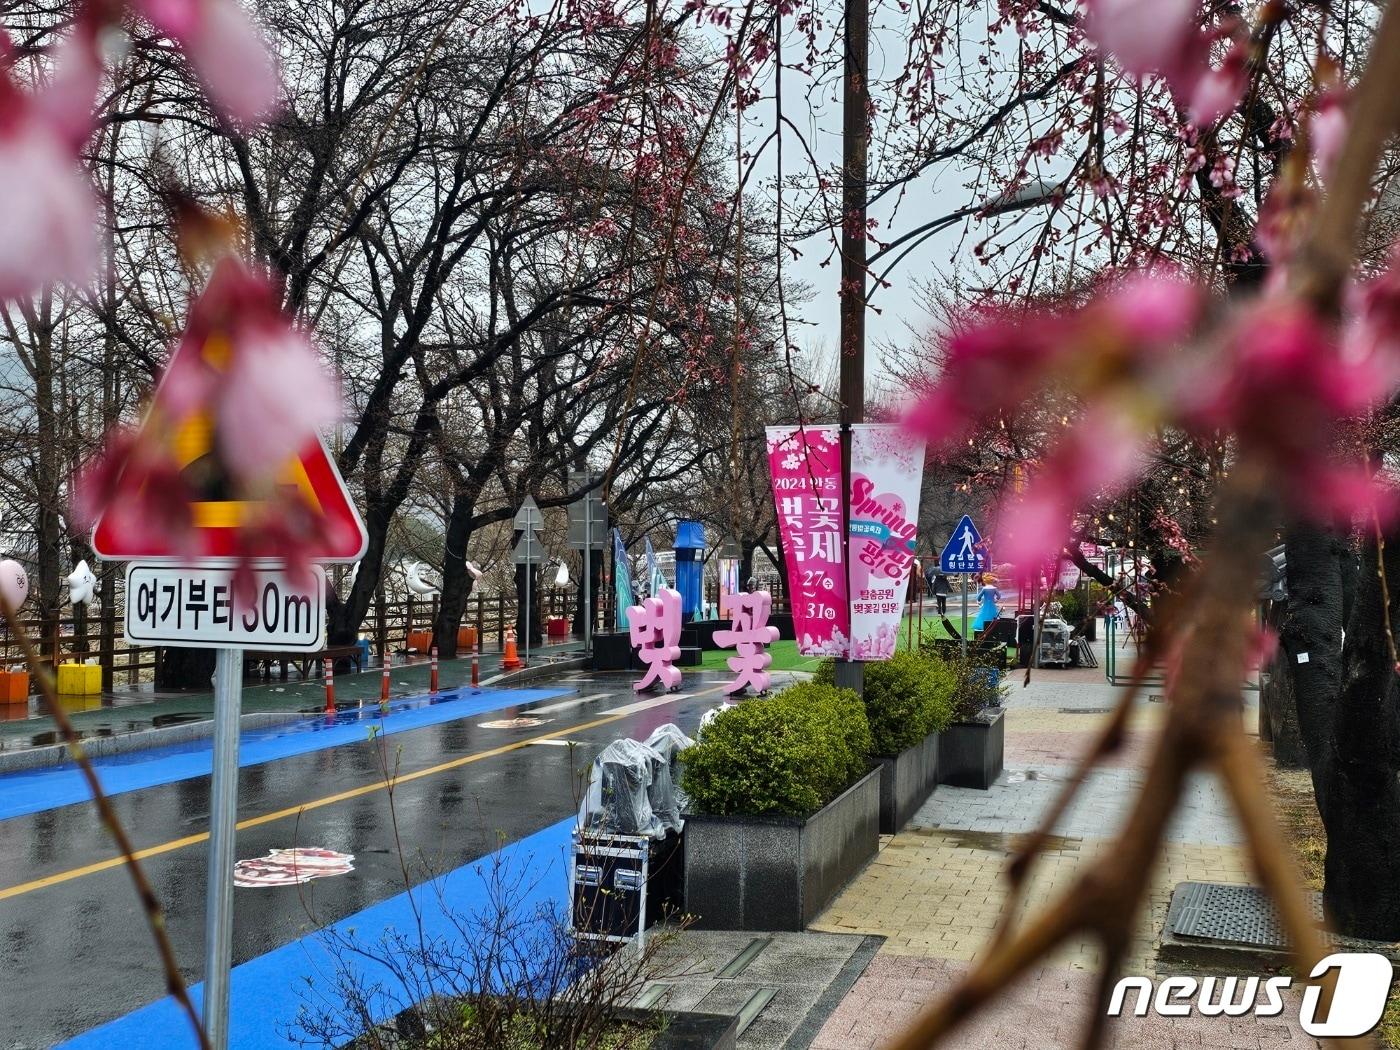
(964, 552)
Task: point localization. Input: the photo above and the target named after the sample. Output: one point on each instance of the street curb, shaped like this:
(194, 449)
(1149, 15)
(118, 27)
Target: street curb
(124, 743)
(530, 674)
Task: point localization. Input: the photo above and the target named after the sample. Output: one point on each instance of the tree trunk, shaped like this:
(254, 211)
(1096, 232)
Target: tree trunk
(586, 597)
(456, 581)
(1358, 792)
(1309, 662)
(344, 625)
(48, 530)
(746, 549)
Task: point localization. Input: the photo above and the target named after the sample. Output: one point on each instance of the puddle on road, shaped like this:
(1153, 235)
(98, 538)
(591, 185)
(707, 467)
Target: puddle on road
(1000, 842)
(175, 719)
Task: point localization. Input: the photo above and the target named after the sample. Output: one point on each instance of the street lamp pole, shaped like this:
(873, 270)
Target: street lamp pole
(850, 673)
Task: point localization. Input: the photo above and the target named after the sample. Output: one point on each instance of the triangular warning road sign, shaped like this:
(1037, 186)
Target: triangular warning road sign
(311, 475)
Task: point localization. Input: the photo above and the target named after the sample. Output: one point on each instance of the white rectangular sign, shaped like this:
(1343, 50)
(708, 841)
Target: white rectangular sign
(193, 606)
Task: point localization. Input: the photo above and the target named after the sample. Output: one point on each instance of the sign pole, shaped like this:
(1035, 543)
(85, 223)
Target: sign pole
(964, 615)
(588, 572)
(529, 571)
(223, 820)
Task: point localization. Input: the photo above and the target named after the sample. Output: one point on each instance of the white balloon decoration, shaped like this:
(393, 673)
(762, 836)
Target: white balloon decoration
(82, 584)
(14, 582)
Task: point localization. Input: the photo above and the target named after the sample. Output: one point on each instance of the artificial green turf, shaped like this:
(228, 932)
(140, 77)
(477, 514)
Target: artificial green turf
(785, 658)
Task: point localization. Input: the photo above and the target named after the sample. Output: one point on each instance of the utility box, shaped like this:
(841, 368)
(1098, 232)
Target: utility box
(623, 884)
(79, 679)
(14, 687)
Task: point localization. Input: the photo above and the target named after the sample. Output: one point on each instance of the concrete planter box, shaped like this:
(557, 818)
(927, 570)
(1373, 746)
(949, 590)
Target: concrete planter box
(774, 872)
(906, 782)
(971, 754)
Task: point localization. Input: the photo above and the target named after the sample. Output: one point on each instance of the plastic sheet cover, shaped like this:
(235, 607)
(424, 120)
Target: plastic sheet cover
(618, 797)
(668, 799)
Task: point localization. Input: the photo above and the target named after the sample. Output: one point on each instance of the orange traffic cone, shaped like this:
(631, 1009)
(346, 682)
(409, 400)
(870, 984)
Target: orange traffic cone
(512, 661)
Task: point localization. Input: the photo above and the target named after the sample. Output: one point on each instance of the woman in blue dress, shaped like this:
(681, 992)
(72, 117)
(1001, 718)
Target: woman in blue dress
(987, 598)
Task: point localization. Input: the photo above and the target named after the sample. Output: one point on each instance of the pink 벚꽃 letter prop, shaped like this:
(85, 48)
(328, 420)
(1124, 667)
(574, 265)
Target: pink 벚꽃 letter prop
(750, 635)
(655, 629)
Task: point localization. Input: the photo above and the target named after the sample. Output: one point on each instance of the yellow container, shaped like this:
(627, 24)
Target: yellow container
(79, 679)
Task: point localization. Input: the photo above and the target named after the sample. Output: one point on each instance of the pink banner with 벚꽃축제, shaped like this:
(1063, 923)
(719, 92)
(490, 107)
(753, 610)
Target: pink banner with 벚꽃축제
(887, 472)
(805, 466)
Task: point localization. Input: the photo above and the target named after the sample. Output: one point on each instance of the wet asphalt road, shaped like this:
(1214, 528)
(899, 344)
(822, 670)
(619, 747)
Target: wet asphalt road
(76, 953)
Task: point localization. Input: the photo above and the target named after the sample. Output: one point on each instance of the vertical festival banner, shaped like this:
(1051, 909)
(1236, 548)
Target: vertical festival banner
(805, 465)
(887, 472)
(622, 580)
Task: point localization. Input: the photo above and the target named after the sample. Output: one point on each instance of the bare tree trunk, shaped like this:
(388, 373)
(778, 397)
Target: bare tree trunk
(1358, 790)
(456, 581)
(1309, 663)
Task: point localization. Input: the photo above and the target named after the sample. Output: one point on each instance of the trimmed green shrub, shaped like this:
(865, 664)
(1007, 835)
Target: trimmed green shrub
(791, 753)
(907, 697)
(974, 688)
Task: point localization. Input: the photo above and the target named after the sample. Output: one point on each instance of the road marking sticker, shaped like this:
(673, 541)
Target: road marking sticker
(291, 867)
(364, 789)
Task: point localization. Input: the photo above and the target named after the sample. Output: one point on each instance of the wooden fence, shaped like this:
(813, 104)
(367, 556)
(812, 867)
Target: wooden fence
(81, 635)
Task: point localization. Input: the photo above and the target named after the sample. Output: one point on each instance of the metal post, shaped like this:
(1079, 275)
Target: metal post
(588, 570)
(223, 820)
(529, 571)
(850, 673)
(964, 618)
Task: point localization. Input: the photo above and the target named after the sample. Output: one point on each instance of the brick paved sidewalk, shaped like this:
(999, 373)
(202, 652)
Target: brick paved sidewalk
(936, 890)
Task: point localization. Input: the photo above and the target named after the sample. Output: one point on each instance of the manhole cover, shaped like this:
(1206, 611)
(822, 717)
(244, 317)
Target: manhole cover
(515, 723)
(1221, 912)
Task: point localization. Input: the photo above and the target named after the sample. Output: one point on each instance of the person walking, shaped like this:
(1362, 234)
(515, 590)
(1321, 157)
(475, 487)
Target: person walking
(941, 589)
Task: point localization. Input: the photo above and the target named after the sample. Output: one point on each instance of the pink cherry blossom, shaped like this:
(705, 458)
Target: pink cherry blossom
(1155, 307)
(47, 208)
(1096, 456)
(1327, 132)
(1211, 93)
(233, 62)
(275, 398)
(227, 51)
(1144, 36)
(47, 211)
(65, 101)
(1164, 37)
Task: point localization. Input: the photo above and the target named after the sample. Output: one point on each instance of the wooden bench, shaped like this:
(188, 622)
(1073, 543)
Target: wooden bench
(303, 662)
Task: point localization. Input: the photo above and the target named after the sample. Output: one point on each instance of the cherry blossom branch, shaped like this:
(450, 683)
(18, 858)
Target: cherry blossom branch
(145, 893)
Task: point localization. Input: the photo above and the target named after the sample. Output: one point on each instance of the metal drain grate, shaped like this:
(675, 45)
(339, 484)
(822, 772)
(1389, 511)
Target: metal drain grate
(1086, 710)
(1236, 914)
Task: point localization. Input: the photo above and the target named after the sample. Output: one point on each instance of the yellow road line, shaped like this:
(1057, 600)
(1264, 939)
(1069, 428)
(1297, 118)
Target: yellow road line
(330, 800)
